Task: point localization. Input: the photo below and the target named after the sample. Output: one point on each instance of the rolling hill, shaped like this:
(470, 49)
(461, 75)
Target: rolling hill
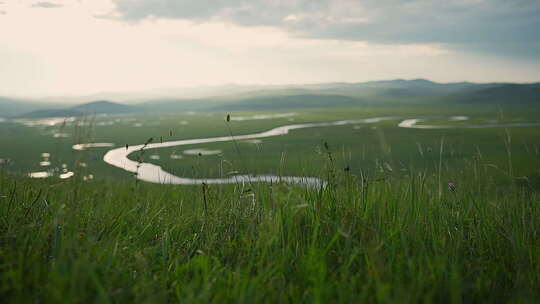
(91, 108)
(15, 106)
(385, 93)
(502, 94)
(104, 107)
(289, 102)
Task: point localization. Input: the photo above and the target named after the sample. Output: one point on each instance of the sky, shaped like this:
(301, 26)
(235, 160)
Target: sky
(70, 47)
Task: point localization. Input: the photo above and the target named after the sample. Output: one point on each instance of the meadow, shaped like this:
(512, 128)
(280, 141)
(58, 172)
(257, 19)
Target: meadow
(404, 215)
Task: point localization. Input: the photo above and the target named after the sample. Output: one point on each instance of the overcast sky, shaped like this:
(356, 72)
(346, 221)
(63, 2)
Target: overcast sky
(88, 46)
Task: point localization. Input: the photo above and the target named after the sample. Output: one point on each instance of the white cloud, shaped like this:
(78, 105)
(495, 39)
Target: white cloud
(45, 4)
(473, 25)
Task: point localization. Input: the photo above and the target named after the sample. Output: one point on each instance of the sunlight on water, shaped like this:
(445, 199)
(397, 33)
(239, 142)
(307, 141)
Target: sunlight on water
(176, 156)
(44, 122)
(60, 135)
(253, 141)
(201, 152)
(413, 124)
(67, 175)
(80, 147)
(262, 116)
(155, 174)
(39, 174)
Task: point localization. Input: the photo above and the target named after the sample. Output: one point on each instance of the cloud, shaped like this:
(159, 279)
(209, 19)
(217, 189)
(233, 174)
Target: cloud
(44, 4)
(497, 27)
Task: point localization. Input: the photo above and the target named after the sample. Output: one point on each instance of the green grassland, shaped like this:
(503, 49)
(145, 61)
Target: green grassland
(369, 148)
(363, 148)
(357, 240)
(385, 227)
(19, 142)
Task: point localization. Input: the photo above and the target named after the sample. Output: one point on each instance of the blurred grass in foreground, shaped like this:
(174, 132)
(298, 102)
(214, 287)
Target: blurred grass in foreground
(360, 239)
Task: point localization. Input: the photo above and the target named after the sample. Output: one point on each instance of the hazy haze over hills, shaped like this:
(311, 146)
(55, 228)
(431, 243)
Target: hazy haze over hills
(257, 97)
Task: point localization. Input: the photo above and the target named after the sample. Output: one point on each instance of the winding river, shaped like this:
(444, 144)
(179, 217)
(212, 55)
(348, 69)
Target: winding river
(155, 174)
(413, 124)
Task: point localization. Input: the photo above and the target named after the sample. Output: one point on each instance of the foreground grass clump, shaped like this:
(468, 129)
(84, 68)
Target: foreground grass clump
(357, 240)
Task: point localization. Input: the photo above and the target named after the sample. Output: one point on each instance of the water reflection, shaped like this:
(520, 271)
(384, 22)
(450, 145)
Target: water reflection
(263, 116)
(52, 121)
(201, 152)
(60, 135)
(413, 124)
(67, 175)
(253, 141)
(40, 174)
(80, 147)
(155, 174)
(176, 156)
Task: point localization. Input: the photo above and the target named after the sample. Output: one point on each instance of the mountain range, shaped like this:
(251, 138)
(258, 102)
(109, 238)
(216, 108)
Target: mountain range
(386, 92)
(90, 108)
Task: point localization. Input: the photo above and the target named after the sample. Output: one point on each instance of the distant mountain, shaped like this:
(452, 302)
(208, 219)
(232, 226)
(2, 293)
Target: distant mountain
(15, 106)
(103, 107)
(502, 94)
(177, 105)
(91, 108)
(289, 102)
(373, 91)
(398, 89)
(426, 91)
(217, 91)
(257, 100)
(50, 113)
(388, 84)
(271, 97)
(385, 93)
(219, 102)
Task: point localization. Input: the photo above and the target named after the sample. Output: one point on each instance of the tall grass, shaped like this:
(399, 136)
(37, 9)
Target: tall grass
(359, 239)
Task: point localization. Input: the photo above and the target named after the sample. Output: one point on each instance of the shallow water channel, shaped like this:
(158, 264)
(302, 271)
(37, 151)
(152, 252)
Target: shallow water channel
(155, 174)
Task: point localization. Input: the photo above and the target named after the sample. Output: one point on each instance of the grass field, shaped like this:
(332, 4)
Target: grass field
(393, 240)
(385, 228)
(359, 146)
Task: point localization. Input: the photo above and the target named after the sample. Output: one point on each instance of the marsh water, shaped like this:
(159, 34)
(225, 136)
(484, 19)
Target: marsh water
(153, 173)
(148, 172)
(413, 124)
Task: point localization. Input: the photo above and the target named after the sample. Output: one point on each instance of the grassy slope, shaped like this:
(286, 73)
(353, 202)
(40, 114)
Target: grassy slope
(387, 238)
(367, 148)
(510, 94)
(14, 106)
(397, 240)
(298, 101)
(90, 108)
